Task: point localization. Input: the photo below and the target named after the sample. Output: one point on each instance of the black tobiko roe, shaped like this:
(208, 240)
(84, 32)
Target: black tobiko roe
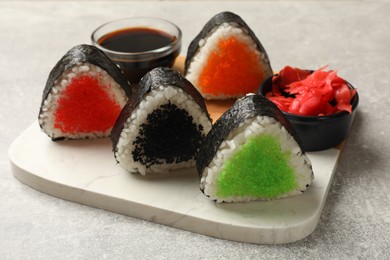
(161, 139)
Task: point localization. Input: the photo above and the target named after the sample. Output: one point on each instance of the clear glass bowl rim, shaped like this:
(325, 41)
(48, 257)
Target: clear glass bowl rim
(139, 56)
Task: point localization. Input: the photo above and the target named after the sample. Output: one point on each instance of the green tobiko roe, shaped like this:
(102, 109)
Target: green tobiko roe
(260, 169)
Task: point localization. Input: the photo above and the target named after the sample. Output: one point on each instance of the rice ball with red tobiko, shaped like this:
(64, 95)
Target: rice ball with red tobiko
(310, 93)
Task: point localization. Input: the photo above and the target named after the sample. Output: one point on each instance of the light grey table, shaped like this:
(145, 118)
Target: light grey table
(351, 36)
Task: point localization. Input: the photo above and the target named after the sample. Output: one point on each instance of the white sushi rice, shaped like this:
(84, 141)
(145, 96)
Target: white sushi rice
(252, 127)
(152, 101)
(209, 45)
(50, 105)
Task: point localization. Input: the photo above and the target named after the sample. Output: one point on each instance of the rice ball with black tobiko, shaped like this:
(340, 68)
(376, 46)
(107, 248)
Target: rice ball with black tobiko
(83, 96)
(162, 125)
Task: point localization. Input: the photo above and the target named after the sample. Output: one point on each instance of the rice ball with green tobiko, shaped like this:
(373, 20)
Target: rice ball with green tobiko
(162, 125)
(252, 153)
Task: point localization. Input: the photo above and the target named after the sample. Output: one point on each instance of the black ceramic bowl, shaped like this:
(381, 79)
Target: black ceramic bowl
(319, 132)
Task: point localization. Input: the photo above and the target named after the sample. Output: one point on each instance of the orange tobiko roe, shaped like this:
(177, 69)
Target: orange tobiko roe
(85, 106)
(232, 70)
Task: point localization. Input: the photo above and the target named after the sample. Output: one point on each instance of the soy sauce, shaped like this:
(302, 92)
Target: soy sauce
(138, 40)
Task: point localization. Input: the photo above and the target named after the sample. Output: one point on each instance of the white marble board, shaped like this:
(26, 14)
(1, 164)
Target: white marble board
(85, 172)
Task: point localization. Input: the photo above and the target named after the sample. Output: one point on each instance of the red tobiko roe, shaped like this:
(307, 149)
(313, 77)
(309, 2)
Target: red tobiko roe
(301, 92)
(85, 106)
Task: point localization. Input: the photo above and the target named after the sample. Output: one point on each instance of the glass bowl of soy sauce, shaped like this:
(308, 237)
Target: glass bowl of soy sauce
(139, 44)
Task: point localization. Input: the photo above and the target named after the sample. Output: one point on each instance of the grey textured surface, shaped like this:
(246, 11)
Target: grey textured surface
(350, 36)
